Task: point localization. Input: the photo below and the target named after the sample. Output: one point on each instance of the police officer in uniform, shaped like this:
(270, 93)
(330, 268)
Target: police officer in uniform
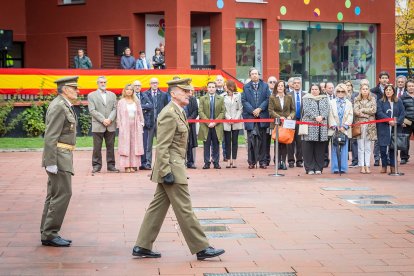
(170, 173)
(60, 139)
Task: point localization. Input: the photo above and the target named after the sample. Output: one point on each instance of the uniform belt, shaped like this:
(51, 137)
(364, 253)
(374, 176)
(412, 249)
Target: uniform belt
(66, 146)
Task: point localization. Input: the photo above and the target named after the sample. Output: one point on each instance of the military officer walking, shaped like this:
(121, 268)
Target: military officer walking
(60, 139)
(170, 173)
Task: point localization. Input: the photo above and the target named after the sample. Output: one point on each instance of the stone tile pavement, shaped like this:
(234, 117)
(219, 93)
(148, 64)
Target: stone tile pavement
(300, 227)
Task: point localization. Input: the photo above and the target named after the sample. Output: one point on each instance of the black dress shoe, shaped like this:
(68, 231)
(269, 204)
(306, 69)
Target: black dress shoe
(299, 164)
(376, 163)
(209, 252)
(96, 170)
(192, 167)
(115, 170)
(403, 162)
(206, 166)
(145, 253)
(291, 164)
(56, 242)
(263, 166)
(252, 166)
(217, 166)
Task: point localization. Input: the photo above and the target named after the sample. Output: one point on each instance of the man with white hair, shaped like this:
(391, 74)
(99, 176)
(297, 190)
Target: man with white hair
(271, 81)
(400, 88)
(137, 88)
(220, 85)
(152, 102)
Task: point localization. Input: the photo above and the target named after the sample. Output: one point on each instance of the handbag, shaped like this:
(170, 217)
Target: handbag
(339, 138)
(286, 135)
(402, 141)
(303, 130)
(356, 131)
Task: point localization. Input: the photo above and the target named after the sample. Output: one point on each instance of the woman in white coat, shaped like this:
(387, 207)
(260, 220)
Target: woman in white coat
(234, 108)
(340, 119)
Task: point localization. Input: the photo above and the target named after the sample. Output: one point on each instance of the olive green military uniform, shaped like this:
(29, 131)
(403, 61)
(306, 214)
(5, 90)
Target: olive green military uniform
(172, 133)
(60, 139)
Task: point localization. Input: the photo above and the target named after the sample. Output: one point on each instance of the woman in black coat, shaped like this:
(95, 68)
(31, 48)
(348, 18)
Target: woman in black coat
(158, 61)
(389, 106)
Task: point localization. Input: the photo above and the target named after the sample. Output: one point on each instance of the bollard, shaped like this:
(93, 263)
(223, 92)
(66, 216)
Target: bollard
(396, 173)
(276, 150)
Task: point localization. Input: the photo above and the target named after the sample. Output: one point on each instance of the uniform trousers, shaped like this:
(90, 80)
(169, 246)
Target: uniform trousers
(59, 192)
(176, 195)
(98, 138)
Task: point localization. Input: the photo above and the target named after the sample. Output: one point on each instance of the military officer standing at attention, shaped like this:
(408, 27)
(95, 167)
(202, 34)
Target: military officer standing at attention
(170, 174)
(60, 139)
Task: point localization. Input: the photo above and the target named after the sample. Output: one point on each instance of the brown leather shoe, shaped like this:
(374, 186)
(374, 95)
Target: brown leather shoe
(383, 170)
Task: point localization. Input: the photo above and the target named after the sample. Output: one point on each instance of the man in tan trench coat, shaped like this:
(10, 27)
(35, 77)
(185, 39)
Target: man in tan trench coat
(60, 140)
(170, 174)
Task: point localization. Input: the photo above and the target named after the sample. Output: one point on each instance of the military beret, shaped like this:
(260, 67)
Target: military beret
(181, 83)
(68, 81)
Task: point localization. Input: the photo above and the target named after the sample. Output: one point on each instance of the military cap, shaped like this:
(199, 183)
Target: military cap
(181, 83)
(68, 81)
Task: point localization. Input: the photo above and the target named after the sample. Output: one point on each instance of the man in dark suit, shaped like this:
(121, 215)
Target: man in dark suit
(255, 100)
(295, 149)
(191, 111)
(152, 102)
(401, 87)
(378, 91)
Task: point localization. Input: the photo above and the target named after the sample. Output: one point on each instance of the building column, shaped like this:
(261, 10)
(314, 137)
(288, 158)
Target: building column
(270, 49)
(177, 37)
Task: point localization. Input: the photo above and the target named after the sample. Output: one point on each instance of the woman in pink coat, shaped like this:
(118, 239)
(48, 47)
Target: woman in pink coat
(130, 122)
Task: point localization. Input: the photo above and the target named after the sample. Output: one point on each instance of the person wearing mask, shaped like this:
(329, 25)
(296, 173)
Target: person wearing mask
(378, 91)
(351, 95)
(315, 110)
(127, 59)
(82, 61)
(102, 107)
(255, 100)
(365, 107)
(408, 125)
(389, 106)
(233, 111)
(191, 110)
(340, 120)
(281, 106)
(401, 88)
(158, 60)
(152, 102)
(130, 122)
(142, 63)
(295, 149)
(211, 107)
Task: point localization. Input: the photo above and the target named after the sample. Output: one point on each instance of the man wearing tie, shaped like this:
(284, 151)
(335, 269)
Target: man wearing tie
(211, 107)
(137, 88)
(401, 86)
(295, 149)
(152, 102)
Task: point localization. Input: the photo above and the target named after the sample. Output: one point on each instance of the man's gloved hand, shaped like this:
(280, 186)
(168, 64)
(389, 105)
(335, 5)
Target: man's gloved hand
(52, 169)
(169, 179)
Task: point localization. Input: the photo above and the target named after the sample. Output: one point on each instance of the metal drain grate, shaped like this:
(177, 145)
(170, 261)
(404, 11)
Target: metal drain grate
(215, 228)
(346, 188)
(252, 274)
(368, 201)
(360, 197)
(231, 235)
(198, 209)
(221, 221)
(379, 207)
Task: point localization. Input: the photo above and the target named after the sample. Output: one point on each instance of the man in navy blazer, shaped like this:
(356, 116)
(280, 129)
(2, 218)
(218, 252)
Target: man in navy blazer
(152, 102)
(142, 62)
(255, 100)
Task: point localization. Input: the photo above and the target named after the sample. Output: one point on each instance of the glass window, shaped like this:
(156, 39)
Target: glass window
(200, 46)
(327, 52)
(248, 46)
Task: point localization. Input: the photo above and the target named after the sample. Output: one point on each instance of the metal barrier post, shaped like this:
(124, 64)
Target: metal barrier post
(396, 173)
(276, 149)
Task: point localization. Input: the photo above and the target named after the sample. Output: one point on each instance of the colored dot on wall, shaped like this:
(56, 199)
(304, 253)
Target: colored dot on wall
(348, 4)
(340, 16)
(316, 12)
(220, 4)
(283, 10)
(306, 2)
(357, 10)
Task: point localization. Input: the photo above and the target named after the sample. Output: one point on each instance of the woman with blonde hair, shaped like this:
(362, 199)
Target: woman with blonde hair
(365, 107)
(130, 121)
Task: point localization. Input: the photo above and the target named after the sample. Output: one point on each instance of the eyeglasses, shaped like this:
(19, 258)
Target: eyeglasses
(272, 81)
(154, 82)
(340, 91)
(137, 84)
(102, 82)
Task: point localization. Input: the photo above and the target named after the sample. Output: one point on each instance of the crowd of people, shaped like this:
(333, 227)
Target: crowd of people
(334, 123)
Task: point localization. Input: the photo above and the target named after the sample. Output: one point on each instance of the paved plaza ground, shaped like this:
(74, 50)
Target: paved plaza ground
(297, 224)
